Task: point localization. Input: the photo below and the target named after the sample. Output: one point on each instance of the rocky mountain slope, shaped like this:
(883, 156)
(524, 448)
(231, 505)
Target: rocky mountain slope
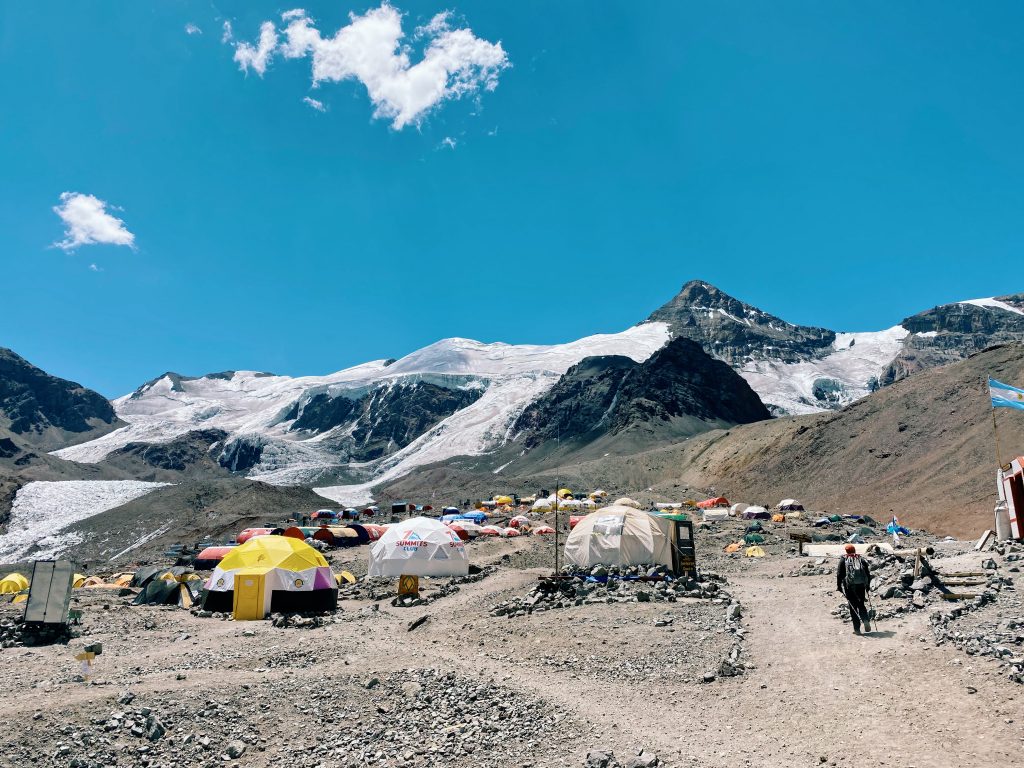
(47, 412)
(678, 392)
(737, 332)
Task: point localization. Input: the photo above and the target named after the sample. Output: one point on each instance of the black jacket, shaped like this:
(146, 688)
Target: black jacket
(841, 572)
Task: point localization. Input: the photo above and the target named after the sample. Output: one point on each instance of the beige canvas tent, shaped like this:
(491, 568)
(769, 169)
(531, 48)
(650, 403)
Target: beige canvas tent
(619, 535)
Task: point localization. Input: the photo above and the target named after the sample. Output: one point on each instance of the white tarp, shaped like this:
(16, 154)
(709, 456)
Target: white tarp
(419, 546)
(618, 535)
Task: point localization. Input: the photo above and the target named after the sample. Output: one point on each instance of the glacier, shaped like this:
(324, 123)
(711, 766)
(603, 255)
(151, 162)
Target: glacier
(44, 508)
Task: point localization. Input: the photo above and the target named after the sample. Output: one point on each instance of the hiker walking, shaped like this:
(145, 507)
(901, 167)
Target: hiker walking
(852, 579)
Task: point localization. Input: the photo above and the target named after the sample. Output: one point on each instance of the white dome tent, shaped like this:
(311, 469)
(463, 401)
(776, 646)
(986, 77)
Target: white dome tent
(419, 546)
(625, 501)
(618, 535)
(790, 505)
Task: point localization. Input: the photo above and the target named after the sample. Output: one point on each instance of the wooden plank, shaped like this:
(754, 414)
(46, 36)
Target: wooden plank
(957, 596)
(984, 540)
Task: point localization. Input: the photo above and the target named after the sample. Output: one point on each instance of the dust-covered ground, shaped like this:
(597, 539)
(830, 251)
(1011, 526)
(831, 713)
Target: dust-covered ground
(606, 673)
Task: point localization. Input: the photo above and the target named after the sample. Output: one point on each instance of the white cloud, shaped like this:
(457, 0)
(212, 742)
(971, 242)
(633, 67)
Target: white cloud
(228, 35)
(88, 223)
(449, 143)
(258, 56)
(192, 29)
(94, 268)
(436, 26)
(315, 104)
(455, 62)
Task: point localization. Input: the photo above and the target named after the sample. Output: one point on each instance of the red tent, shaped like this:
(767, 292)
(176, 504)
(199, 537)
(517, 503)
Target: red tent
(248, 533)
(210, 557)
(718, 501)
(459, 531)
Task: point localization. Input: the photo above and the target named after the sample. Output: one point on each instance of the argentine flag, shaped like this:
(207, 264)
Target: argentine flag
(1005, 396)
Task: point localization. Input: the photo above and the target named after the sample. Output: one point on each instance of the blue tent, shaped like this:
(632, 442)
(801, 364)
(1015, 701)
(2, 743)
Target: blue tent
(477, 517)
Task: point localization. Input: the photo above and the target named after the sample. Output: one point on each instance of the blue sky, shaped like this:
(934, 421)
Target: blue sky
(843, 164)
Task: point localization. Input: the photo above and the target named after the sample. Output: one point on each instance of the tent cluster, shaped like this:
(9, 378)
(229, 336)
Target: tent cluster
(178, 586)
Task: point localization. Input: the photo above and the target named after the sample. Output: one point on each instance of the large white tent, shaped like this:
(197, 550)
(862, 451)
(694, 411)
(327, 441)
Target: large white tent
(619, 535)
(419, 546)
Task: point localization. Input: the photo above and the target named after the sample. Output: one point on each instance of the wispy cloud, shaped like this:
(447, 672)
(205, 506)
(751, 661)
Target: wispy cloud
(192, 29)
(369, 49)
(256, 57)
(94, 268)
(315, 104)
(228, 34)
(87, 222)
(448, 143)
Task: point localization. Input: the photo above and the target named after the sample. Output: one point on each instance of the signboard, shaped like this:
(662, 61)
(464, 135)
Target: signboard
(408, 585)
(684, 553)
(50, 593)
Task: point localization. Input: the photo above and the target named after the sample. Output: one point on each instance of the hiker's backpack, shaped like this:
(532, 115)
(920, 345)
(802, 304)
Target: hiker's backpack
(856, 571)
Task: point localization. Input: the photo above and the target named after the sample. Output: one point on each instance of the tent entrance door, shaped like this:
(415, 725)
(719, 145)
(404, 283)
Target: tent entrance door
(249, 592)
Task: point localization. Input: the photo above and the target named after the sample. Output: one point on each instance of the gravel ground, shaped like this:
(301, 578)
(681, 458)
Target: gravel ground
(627, 682)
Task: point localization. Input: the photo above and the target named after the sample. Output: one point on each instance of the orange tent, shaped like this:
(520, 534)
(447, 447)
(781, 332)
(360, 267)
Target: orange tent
(718, 501)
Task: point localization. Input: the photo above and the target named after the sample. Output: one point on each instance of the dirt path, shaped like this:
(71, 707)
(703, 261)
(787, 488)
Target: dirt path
(881, 699)
(817, 690)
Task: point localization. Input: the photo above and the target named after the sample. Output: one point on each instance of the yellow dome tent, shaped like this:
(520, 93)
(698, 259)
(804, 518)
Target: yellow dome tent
(754, 552)
(78, 580)
(13, 583)
(271, 573)
(502, 499)
(564, 493)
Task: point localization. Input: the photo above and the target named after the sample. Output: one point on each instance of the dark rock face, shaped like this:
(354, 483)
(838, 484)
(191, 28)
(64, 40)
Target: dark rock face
(736, 332)
(324, 412)
(954, 332)
(383, 420)
(36, 404)
(395, 416)
(611, 395)
(177, 455)
(242, 453)
(579, 404)
(680, 379)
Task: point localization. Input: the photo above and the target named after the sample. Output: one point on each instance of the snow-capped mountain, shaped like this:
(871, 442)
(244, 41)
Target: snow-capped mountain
(267, 417)
(351, 430)
(800, 369)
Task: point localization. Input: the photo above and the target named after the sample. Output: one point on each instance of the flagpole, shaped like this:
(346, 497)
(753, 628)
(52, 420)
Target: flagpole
(995, 428)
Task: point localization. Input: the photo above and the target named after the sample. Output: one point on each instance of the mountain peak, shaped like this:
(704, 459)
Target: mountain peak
(734, 331)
